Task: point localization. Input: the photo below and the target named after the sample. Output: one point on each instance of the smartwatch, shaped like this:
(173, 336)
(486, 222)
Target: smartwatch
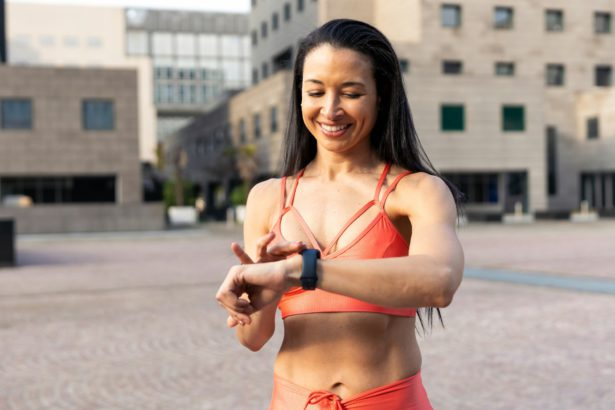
(308, 270)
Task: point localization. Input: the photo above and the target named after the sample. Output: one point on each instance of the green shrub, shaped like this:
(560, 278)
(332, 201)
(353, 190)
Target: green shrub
(239, 194)
(169, 194)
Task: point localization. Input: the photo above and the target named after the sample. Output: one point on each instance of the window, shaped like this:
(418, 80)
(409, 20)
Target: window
(476, 187)
(602, 22)
(552, 160)
(264, 29)
(254, 37)
(242, 131)
(253, 3)
(283, 60)
(254, 76)
(16, 114)
(162, 44)
(450, 15)
(208, 45)
(593, 130)
(452, 67)
(555, 75)
(513, 118)
(185, 44)
(504, 68)
(257, 125)
(300, 5)
(98, 115)
(136, 43)
(452, 117)
(286, 11)
(265, 70)
(62, 189)
(503, 17)
(404, 65)
(275, 21)
(604, 76)
(554, 20)
(273, 113)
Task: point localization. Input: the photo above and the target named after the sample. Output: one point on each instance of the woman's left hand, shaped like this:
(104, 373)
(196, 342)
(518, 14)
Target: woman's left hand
(261, 283)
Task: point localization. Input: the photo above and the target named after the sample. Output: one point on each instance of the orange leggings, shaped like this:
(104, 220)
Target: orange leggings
(406, 394)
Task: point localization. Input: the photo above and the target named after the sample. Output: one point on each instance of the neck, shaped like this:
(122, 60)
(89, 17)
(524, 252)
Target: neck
(329, 165)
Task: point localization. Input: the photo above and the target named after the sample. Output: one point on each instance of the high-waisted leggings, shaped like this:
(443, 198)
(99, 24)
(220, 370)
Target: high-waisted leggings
(405, 394)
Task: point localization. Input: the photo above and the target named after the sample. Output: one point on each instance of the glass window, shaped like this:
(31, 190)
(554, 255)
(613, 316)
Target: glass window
(503, 17)
(604, 76)
(554, 20)
(98, 115)
(593, 131)
(94, 42)
(231, 46)
(452, 67)
(265, 70)
(136, 43)
(275, 21)
(254, 76)
(232, 70)
(264, 29)
(504, 68)
(273, 114)
(450, 15)
(552, 160)
(162, 44)
(16, 114)
(300, 5)
(452, 117)
(602, 22)
(257, 125)
(513, 118)
(62, 189)
(254, 38)
(555, 75)
(404, 65)
(286, 11)
(242, 131)
(208, 45)
(186, 44)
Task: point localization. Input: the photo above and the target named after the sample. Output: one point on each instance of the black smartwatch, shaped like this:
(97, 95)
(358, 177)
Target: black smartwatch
(308, 270)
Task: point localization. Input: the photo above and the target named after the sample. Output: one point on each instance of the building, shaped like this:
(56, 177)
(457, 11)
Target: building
(69, 139)
(501, 104)
(186, 60)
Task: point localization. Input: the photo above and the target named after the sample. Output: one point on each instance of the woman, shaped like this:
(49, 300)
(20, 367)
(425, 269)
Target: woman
(359, 193)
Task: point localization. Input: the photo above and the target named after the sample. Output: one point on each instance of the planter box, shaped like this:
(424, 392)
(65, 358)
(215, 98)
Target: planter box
(182, 215)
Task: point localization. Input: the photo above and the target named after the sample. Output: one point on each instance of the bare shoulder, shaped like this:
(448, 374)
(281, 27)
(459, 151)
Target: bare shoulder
(425, 196)
(263, 201)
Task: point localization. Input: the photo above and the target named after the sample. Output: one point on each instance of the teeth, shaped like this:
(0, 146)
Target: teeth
(330, 128)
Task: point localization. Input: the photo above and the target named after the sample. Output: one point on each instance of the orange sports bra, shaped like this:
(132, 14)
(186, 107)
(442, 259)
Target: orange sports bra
(379, 239)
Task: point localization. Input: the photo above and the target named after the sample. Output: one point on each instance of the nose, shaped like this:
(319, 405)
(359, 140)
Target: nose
(331, 108)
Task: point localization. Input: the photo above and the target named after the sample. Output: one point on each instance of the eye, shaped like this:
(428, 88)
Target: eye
(315, 93)
(352, 95)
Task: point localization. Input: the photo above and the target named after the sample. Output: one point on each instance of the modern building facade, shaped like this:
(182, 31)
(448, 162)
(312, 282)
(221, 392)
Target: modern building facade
(502, 105)
(69, 142)
(186, 60)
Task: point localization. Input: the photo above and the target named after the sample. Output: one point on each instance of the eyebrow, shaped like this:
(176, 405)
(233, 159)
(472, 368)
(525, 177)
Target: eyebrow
(346, 84)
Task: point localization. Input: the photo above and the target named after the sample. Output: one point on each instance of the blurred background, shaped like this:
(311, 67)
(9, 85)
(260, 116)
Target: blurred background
(124, 120)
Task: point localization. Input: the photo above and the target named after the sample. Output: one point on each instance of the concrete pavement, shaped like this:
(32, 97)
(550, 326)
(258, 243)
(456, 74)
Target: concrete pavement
(129, 321)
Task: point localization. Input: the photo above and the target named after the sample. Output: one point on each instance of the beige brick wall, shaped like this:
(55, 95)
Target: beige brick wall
(57, 144)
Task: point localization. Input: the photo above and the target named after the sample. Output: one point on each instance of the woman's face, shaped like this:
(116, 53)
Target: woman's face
(339, 98)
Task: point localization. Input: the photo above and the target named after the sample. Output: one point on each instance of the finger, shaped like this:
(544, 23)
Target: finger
(244, 258)
(286, 248)
(261, 245)
(231, 322)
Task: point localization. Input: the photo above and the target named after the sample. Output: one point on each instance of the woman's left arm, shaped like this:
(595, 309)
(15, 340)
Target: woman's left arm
(428, 276)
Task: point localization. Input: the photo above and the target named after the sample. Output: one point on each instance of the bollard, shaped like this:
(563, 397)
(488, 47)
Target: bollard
(7, 242)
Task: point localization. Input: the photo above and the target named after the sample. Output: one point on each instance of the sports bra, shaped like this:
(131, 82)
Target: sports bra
(379, 239)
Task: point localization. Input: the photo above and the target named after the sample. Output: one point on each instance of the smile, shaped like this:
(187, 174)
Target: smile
(334, 130)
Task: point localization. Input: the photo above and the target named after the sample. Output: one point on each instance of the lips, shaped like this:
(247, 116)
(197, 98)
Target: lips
(333, 130)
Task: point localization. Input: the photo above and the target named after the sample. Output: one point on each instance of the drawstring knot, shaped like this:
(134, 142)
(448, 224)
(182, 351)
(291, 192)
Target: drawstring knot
(318, 396)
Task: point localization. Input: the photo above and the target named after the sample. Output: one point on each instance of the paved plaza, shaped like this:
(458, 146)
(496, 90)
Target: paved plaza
(129, 321)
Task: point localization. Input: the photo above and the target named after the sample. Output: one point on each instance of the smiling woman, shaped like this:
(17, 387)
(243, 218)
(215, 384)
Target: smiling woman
(353, 241)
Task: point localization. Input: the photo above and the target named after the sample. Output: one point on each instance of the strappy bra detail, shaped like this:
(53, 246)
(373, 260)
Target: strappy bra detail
(379, 239)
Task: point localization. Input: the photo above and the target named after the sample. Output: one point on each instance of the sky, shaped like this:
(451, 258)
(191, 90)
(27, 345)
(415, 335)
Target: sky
(230, 6)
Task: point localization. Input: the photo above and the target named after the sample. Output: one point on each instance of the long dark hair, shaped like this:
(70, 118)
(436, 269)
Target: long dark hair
(393, 138)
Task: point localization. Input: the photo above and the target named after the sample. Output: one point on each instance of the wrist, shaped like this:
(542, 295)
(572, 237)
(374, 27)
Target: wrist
(292, 270)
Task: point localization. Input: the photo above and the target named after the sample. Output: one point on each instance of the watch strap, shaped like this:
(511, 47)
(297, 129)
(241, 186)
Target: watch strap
(308, 270)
